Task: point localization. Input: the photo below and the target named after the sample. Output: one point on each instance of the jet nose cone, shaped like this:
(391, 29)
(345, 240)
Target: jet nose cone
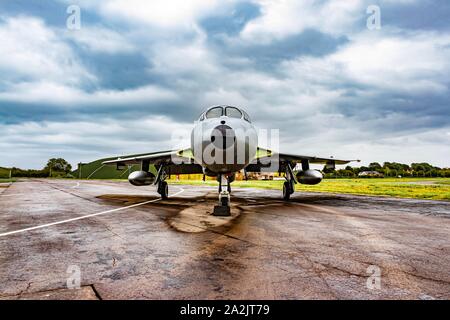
(223, 137)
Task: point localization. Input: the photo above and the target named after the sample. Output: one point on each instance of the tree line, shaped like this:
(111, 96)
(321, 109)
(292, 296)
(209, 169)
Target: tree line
(391, 169)
(56, 167)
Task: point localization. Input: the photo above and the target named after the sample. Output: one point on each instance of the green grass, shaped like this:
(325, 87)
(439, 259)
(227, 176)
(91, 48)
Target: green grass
(417, 188)
(4, 173)
(7, 180)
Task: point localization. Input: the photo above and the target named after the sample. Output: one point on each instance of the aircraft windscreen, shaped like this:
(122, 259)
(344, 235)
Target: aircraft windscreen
(233, 112)
(214, 113)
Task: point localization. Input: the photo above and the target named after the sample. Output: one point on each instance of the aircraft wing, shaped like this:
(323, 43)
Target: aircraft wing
(298, 158)
(264, 157)
(176, 161)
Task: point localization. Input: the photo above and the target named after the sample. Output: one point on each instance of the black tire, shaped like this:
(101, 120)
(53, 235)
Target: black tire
(292, 186)
(224, 201)
(163, 189)
(286, 190)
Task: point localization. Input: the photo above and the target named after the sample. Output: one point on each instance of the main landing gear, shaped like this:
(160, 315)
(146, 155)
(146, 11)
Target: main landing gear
(288, 189)
(289, 184)
(163, 188)
(223, 209)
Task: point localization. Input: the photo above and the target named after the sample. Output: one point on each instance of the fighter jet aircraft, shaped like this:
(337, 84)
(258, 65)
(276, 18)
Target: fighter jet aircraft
(223, 142)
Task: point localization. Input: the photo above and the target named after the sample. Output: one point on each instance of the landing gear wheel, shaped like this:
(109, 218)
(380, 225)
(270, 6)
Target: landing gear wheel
(163, 189)
(288, 189)
(224, 200)
(223, 209)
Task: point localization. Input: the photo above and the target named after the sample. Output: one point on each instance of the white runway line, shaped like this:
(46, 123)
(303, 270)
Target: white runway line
(87, 216)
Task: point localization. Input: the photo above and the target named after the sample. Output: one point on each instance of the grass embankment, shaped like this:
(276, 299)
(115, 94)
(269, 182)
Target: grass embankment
(95, 170)
(4, 175)
(417, 188)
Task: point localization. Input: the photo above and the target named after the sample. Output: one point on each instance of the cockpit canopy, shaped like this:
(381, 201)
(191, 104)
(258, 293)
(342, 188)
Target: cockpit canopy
(227, 111)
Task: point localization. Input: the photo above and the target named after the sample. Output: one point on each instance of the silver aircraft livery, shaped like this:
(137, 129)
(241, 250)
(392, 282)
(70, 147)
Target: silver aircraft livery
(223, 142)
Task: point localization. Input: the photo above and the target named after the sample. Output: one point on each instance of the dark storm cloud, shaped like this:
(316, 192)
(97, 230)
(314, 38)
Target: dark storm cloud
(411, 113)
(232, 22)
(119, 71)
(14, 113)
(419, 15)
(266, 56)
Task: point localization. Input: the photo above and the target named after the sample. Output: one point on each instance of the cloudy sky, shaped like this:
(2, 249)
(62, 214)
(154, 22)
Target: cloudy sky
(137, 70)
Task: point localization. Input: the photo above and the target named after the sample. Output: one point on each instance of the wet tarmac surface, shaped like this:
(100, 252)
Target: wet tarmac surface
(127, 244)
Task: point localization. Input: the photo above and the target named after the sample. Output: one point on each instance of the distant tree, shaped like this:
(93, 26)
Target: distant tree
(346, 173)
(405, 167)
(422, 166)
(58, 164)
(375, 166)
(392, 169)
(328, 170)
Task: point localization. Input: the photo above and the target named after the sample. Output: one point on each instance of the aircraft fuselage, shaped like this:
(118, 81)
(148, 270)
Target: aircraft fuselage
(223, 144)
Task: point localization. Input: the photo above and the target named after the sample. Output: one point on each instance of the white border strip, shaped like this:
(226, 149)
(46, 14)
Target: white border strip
(86, 216)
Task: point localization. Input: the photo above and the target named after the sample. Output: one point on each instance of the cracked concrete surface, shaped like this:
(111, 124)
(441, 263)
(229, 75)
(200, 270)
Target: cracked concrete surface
(318, 246)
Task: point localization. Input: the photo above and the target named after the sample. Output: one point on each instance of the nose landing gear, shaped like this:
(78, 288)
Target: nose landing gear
(223, 209)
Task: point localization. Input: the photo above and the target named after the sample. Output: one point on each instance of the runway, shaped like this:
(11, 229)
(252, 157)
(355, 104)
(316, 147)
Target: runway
(129, 244)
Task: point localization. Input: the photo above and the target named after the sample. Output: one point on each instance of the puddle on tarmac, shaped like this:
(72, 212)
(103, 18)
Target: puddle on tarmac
(193, 218)
(199, 218)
